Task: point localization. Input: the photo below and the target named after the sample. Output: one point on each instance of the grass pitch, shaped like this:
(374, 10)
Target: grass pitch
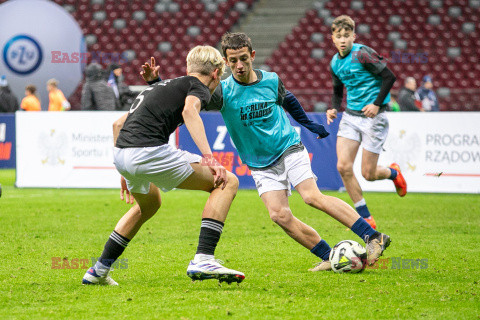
(435, 273)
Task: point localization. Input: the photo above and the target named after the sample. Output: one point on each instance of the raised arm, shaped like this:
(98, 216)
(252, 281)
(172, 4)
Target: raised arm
(150, 72)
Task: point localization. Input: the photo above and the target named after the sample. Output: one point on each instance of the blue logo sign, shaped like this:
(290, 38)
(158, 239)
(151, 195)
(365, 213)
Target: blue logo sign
(22, 54)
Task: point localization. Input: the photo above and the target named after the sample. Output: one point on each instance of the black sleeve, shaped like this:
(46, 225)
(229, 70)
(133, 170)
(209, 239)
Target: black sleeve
(377, 65)
(154, 81)
(337, 91)
(216, 102)
(388, 79)
(293, 106)
(371, 60)
(200, 91)
(282, 92)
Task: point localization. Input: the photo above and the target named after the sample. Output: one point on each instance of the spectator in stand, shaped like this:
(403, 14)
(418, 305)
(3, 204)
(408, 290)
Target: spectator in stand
(57, 101)
(8, 101)
(427, 96)
(124, 97)
(407, 98)
(30, 102)
(96, 94)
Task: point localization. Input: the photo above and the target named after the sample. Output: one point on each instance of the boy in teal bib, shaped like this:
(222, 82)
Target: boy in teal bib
(368, 81)
(251, 104)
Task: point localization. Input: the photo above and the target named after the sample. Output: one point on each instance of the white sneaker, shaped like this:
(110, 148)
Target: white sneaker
(212, 269)
(91, 277)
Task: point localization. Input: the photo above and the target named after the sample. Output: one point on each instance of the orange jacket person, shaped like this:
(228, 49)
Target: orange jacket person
(30, 102)
(57, 101)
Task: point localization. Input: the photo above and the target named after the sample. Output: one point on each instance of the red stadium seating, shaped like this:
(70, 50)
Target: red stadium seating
(144, 36)
(459, 74)
(309, 78)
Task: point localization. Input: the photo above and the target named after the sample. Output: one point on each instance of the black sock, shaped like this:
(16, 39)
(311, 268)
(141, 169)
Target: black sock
(114, 247)
(209, 235)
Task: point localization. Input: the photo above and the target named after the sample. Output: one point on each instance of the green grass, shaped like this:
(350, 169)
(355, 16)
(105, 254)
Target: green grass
(38, 224)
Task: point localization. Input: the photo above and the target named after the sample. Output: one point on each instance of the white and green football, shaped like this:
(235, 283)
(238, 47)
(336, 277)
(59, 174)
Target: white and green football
(348, 256)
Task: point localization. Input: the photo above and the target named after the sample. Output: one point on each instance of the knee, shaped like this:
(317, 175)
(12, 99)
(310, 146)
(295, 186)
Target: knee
(315, 200)
(369, 175)
(312, 199)
(281, 216)
(345, 168)
(233, 183)
(156, 206)
(309, 199)
(149, 211)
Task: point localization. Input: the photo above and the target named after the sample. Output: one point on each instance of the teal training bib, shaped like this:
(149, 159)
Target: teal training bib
(258, 126)
(362, 86)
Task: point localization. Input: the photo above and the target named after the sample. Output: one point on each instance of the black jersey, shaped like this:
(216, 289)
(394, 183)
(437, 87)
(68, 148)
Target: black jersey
(157, 112)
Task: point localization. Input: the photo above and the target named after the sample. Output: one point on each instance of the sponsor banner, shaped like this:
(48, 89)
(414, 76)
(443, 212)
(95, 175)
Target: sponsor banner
(67, 149)
(7, 141)
(437, 152)
(322, 152)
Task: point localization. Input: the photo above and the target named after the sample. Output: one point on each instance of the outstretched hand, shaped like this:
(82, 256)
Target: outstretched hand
(123, 189)
(150, 71)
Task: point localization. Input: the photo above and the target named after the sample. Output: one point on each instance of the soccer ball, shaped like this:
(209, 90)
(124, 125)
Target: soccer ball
(348, 256)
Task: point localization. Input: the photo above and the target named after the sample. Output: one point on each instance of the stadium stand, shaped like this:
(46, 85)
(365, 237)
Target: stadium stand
(445, 32)
(138, 29)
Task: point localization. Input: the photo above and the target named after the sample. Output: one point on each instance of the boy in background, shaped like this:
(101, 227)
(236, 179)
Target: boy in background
(368, 81)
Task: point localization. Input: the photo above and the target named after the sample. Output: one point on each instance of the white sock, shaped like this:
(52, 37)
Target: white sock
(360, 203)
(101, 269)
(201, 257)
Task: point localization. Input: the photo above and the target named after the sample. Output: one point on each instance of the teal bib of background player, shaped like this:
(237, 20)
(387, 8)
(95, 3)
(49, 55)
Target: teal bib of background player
(258, 126)
(362, 86)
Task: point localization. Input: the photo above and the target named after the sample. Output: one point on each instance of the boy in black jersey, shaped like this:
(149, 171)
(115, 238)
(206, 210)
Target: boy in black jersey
(146, 161)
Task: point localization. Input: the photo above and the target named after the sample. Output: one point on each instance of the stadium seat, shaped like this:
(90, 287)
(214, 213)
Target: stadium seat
(99, 15)
(444, 31)
(119, 23)
(139, 15)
